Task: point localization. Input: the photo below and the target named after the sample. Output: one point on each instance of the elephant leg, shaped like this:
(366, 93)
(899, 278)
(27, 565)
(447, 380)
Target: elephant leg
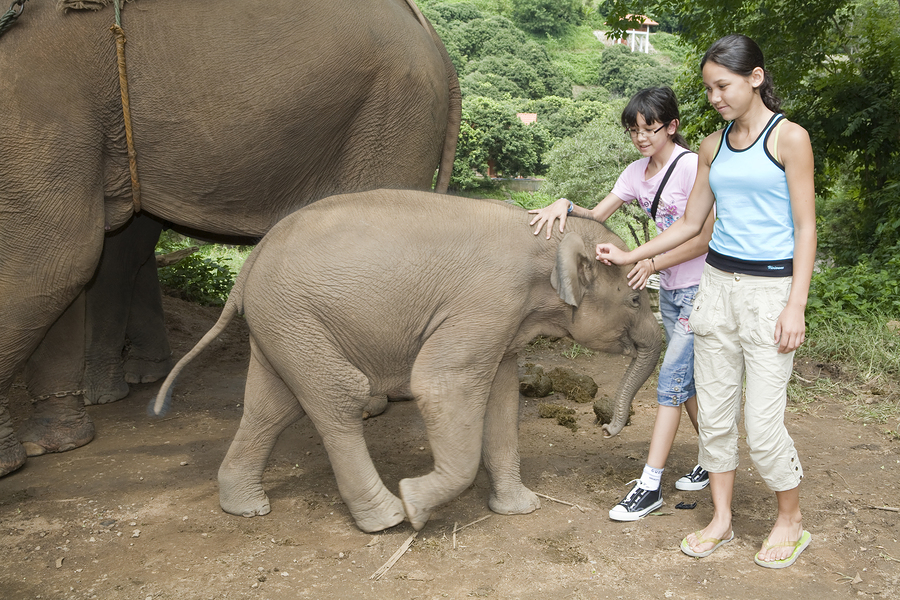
(123, 299)
(500, 451)
(53, 376)
(149, 354)
(269, 408)
(453, 411)
(12, 453)
(339, 421)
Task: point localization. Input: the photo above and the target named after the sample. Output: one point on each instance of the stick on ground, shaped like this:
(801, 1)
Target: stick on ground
(560, 501)
(393, 559)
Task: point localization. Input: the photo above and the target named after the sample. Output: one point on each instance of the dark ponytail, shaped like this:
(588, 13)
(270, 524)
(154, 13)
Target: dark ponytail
(740, 55)
(656, 105)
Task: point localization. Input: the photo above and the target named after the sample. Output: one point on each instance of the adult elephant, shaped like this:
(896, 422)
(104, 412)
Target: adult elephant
(241, 113)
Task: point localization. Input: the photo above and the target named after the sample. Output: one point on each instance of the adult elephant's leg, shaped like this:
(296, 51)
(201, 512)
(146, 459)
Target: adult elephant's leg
(53, 377)
(452, 402)
(123, 299)
(269, 407)
(149, 355)
(500, 452)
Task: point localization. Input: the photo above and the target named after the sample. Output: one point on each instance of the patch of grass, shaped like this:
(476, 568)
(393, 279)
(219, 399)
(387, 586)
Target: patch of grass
(867, 349)
(530, 200)
(577, 350)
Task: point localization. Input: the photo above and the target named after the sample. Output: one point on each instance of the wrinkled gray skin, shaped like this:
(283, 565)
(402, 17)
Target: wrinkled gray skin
(422, 295)
(241, 114)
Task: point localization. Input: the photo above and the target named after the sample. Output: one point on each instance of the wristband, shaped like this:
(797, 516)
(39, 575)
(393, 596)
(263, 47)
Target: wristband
(653, 264)
(571, 207)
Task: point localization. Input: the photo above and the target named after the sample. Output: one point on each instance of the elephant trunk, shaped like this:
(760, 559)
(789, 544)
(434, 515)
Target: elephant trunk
(648, 341)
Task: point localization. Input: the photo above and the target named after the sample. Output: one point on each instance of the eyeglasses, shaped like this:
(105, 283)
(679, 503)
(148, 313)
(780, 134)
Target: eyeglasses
(647, 133)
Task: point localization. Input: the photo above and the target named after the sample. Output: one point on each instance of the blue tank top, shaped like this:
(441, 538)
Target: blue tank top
(754, 229)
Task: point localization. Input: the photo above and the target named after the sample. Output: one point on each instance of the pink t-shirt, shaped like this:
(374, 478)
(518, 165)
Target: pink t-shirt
(631, 185)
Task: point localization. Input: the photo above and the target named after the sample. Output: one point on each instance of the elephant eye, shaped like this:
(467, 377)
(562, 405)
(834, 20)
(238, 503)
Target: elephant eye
(636, 299)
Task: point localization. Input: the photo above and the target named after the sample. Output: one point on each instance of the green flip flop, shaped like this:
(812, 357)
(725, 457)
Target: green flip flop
(686, 548)
(799, 546)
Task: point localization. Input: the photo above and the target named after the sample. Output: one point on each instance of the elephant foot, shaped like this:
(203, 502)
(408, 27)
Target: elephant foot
(12, 458)
(418, 508)
(389, 514)
(59, 425)
(104, 381)
(147, 370)
(237, 497)
(520, 501)
(106, 392)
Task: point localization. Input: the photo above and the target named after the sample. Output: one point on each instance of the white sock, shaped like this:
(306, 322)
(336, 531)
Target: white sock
(650, 478)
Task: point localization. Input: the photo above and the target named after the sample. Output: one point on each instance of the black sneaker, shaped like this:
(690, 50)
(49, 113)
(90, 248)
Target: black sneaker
(693, 481)
(637, 504)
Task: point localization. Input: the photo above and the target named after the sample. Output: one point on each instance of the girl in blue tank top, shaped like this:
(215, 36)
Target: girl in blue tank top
(749, 313)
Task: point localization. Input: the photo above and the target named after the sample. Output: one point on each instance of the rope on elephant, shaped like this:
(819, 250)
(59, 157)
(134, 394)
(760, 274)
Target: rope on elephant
(8, 19)
(126, 109)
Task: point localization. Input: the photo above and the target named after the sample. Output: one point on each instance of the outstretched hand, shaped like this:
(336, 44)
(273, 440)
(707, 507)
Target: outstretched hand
(609, 254)
(549, 214)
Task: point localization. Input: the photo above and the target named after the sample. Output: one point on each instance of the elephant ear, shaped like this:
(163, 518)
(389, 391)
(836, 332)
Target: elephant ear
(572, 272)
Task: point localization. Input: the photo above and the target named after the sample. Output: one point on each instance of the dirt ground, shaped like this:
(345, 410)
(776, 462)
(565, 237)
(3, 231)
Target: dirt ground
(135, 514)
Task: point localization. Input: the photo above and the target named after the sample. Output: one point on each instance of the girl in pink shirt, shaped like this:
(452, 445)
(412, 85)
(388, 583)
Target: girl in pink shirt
(661, 182)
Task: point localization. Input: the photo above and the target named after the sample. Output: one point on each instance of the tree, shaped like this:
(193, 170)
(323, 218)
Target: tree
(493, 132)
(625, 72)
(550, 17)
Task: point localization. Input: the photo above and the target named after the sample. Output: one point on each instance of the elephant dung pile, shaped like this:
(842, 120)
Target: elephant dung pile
(535, 383)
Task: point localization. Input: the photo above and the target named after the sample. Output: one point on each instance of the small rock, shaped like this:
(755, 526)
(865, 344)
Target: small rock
(59, 562)
(137, 533)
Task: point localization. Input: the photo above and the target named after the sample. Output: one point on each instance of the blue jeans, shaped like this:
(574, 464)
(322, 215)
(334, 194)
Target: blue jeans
(676, 375)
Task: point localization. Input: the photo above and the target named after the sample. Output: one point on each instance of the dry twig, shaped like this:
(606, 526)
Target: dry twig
(830, 471)
(890, 508)
(393, 559)
(560, 501)
(455, 528)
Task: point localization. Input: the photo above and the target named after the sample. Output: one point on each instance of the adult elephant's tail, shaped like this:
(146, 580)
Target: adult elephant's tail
(454, 110)
(233, 306)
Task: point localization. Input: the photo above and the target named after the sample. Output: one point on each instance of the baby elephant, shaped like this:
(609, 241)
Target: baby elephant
(405, 293)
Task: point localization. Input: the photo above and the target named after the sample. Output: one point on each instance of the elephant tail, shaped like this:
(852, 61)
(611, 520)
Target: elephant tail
(163, 402)
(454, 110)
(233, 307)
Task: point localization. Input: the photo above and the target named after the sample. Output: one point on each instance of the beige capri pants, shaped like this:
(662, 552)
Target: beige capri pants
(734, 320)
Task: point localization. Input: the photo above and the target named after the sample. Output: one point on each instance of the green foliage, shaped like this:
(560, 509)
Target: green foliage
(490, 85)
(206, 276)
(512, 69)
(550, 17)
(494, 132)
(198, 279)
(581, 68)
(850, 293)
(625, 72)
(531, 200)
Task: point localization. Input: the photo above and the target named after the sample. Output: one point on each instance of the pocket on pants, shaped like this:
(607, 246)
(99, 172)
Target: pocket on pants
(703, 315)
(768, 306)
